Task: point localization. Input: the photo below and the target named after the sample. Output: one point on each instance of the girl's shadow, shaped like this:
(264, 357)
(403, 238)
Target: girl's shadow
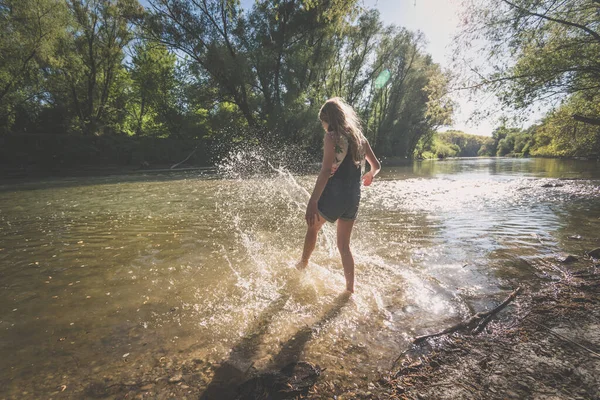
(234, 371)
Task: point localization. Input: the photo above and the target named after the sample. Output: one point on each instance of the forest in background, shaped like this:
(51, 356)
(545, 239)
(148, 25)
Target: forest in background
(212, 71)
(115, 72)
(540, 140)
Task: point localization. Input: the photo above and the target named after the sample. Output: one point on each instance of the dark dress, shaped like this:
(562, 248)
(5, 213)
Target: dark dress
(341, 196)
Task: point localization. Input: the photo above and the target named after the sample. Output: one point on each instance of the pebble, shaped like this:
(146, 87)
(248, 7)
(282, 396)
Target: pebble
(147, 387)
(175, 378)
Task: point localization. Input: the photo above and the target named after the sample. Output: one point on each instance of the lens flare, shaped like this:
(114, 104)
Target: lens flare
(382, 79)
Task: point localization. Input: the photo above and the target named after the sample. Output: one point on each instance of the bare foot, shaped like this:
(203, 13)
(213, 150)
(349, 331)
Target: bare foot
(349, 290)
(301, 265)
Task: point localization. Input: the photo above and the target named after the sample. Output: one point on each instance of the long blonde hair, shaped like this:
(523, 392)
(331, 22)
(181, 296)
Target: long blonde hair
(342, 120)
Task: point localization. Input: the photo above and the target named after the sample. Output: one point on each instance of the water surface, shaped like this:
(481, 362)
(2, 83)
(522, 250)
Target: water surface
(103, 278)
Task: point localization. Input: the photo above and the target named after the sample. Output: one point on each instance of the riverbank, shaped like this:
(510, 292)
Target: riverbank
(17, 175)
(547, 349)
(55, 155)
(545, 345)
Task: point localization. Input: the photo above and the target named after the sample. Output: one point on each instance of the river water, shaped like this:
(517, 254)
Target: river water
(104, 278)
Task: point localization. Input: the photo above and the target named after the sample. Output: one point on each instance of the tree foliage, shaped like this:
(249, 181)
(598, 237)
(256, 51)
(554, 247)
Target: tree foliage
(30, 31)
(211, 69)
(152, 102)
(538, 52)
(536, 49)
(559, 135)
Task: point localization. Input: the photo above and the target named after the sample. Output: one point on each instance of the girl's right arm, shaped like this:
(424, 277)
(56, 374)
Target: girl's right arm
(373, 162)
(312, 212)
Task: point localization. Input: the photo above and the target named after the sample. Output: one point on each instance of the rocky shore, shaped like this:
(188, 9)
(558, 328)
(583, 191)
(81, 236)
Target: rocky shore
(545, 345)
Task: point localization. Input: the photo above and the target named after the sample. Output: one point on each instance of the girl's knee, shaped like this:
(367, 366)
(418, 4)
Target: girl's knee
(314, 229)
(344, 248)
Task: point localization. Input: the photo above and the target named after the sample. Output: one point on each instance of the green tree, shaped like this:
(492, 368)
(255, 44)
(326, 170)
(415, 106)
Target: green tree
(152, 101)
(205, 31)
(470, 145)
(559, 136)
(90, 79)
(538, 50)
(411, 104)
(30, 31)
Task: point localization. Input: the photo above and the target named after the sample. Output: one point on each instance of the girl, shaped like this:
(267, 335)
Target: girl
(337, 191)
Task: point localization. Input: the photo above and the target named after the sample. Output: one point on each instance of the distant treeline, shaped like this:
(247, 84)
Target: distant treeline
(548, 139)
(536, 52)
(212, 71)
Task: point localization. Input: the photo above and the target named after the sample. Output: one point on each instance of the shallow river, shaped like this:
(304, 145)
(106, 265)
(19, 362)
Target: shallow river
(103, 278)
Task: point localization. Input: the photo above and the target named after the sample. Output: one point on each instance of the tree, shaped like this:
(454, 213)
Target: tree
(412, 102)
(537, 50)
(263, 61)
(153, 87)
(558, 135)
(470, 145)
(90, 79)
(208, 68)
(204, 30)
(30, 31)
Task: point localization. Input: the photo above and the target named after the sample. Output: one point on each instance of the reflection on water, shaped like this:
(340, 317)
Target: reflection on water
(102, 277)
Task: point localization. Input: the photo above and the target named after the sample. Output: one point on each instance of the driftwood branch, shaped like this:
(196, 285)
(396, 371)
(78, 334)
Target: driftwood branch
(187, 158)
(476, 323)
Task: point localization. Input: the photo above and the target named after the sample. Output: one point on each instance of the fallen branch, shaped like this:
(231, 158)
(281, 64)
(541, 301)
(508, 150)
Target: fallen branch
(187, 158)
(476, 323)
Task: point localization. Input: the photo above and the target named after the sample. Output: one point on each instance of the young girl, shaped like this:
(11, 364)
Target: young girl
(337, 191)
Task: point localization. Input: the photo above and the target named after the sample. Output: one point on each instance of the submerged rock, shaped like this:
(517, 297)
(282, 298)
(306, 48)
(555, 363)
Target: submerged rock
(567, 259)
(548, 185)
(293, 380)
(594, 253)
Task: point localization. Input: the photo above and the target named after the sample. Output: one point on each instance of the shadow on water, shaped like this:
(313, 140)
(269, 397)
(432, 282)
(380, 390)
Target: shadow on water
(56, 182)
(234, 371)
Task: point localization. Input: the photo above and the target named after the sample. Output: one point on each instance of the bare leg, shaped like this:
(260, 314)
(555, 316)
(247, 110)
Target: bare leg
(344, 231)
(309, 242)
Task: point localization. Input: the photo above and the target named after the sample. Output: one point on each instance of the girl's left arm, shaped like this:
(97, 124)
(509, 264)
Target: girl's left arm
(312, 212)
